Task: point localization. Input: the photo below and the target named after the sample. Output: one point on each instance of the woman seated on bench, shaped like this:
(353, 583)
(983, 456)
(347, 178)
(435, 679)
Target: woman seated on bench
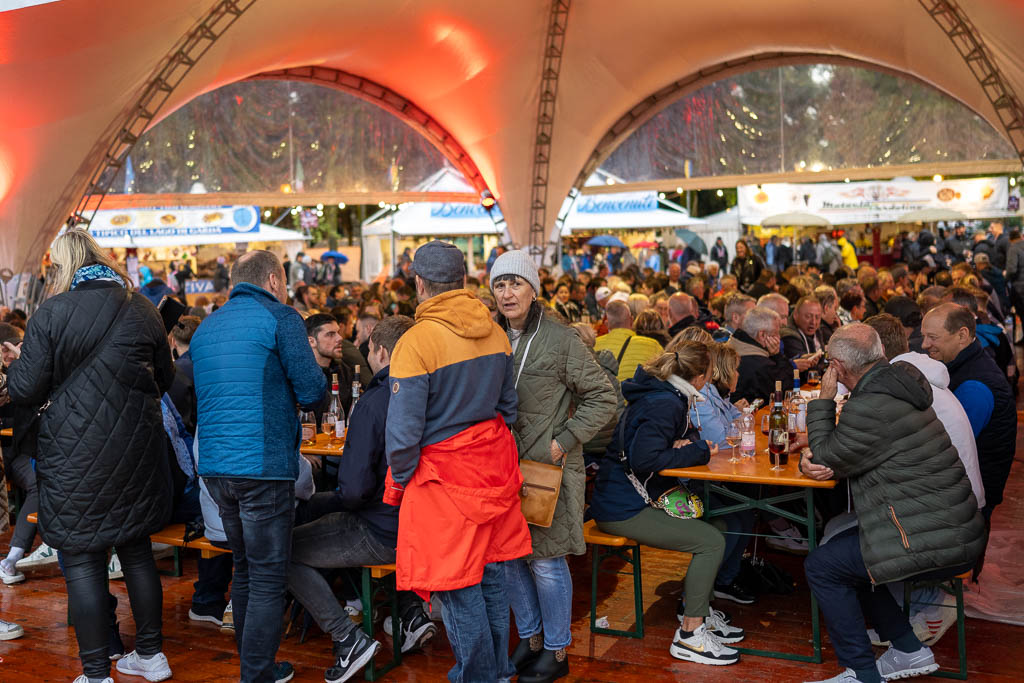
(655, 433)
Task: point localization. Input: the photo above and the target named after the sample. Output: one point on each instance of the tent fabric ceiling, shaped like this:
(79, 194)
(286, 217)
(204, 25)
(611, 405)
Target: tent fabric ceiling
(72, 68)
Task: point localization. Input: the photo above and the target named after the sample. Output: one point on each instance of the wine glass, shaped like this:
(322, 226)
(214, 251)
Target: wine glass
(733, 434)
(308, 420)
(813, 379)
(327, 424)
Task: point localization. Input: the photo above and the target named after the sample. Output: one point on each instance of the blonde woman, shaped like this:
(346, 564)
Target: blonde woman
(656, 433)
(96, 354)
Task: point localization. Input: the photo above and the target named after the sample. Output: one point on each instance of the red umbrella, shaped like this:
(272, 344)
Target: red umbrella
(646, 244)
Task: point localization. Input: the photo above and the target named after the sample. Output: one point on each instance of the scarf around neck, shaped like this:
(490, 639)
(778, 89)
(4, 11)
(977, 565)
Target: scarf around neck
(97, 271)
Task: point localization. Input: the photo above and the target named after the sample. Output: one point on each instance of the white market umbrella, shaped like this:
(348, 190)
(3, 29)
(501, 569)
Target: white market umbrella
(931, 216)
(797, 219)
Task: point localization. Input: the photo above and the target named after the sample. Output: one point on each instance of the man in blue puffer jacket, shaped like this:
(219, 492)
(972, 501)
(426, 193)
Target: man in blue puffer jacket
(253, 364)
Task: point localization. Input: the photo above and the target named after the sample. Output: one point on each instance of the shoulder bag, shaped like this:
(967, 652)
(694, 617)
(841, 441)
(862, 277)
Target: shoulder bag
(677, 502)
(541, 482)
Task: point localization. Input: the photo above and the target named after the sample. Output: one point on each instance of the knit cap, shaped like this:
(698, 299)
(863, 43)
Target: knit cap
(516, 262)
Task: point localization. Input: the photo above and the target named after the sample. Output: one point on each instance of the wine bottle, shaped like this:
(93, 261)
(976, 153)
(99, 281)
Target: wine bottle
(356, 389)
(778, 430)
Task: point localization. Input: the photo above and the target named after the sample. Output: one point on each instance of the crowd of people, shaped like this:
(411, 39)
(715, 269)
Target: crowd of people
(611, 370)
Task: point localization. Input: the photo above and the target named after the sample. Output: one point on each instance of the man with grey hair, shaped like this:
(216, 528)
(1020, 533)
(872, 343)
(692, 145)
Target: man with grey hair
(736, 307)
(917, 516)
(777, 303)
(761, 362)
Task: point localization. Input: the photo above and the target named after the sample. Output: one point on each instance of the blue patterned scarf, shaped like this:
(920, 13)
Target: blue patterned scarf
(95, 272)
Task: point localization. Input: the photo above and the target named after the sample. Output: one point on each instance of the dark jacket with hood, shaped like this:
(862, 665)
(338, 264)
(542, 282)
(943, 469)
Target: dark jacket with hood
(971, 374)
(657, 415)
(914, 502)
(758, 369)
(155, 290)
(102, 464)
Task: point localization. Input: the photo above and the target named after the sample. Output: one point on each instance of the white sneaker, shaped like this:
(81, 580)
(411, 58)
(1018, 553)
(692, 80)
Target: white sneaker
(931, 623)
(415, 634)
(703, 647)
(895, 664)
(9, 630)
(114, 570)
(44, 554)
(9, 574)
(718, 624)
(84, 679)
(847, 676)
(155, 668)
(792, 541)
(876, 639)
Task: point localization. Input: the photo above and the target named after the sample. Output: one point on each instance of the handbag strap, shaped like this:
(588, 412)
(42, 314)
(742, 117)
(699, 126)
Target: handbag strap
(640, 488)
(91, 357)
(526, 352)
(622, 351)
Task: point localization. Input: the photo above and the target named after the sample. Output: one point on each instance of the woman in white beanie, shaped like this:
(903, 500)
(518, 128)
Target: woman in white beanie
(554, 372)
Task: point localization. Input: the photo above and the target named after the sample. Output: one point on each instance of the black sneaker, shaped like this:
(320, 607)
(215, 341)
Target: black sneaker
(213, 614)
(350, 656)
(283, 672)
(733, 592)
(417, 629)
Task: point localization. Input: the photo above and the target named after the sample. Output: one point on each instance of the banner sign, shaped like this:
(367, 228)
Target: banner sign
(455, 210)
(184, 221)
(874, 201)
(199, 286)
(623, 202)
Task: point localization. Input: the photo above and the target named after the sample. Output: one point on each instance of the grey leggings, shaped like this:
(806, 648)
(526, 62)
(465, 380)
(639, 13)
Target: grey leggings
(706, 543)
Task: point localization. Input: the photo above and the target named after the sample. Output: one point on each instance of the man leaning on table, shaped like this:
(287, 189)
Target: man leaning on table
(917, 515)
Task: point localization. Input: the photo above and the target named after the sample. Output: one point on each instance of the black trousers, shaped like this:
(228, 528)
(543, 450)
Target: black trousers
(21, 474)
(86, 577)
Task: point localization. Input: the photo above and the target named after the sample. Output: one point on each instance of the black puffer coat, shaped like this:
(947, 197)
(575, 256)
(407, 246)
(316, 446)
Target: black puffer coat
(914, 501)
(102, 466)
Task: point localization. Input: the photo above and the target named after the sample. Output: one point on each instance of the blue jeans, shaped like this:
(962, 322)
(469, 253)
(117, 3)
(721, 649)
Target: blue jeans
(540, 592)
(257, 517)
(476, 619)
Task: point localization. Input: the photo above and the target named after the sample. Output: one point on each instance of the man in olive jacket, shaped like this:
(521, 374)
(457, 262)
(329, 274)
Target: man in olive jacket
(918, 517)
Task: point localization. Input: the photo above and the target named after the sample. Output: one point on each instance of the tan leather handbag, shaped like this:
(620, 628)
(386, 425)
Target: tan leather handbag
(539, 494)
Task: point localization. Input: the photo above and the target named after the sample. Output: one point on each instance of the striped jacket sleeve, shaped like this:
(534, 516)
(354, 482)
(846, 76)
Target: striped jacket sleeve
(409, 383)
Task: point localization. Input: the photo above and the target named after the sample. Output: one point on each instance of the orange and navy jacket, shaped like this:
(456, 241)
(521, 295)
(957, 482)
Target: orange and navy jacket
(452, 370)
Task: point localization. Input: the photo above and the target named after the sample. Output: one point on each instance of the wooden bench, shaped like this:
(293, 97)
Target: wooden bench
(605, 546)
(954, 586)
(378, 577)
(173, 535)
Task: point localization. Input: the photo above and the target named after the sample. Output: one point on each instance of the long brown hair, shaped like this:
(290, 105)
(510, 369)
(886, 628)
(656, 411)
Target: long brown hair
(689, 360)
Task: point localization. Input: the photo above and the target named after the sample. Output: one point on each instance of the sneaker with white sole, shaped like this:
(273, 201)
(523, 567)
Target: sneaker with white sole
(9, 630)
(154, 669)
(876, 639)
(227, 622)
(718, 623)
(208, 613)
(42, 555)
(702, 647)
(417, 630)
(895, 664)
(114, 570)
(9, 573)
(848, 676)
(791, 541)
(350, 656)
(85, 679)
(931, 623)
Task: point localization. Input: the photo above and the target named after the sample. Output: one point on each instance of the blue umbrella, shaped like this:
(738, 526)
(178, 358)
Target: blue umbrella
(337, 255)
(692, 240)
(606, 241)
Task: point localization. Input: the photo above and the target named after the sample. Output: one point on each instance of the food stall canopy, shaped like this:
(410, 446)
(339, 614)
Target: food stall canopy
(625, 211)
(73, 69)
(185, 226)
(877, 202)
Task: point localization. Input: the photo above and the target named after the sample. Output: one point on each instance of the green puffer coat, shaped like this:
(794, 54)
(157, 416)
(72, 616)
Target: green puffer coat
(599, 443)
(914, 502)
(560, 376)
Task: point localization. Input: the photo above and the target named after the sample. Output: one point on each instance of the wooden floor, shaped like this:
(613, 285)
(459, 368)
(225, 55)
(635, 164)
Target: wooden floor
(200, 652)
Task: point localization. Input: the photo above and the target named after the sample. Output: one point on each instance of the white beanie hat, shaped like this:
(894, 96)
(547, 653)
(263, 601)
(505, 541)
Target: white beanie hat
(516, 262)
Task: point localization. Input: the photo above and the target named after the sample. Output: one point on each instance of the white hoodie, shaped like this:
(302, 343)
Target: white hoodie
(952, 416)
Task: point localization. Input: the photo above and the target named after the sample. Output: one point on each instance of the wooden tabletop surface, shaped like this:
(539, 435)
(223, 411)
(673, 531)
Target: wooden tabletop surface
(9, 431)
(323, 447)
(756, 470)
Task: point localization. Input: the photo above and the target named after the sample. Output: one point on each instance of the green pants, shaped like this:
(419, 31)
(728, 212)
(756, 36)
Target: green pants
(654, 528)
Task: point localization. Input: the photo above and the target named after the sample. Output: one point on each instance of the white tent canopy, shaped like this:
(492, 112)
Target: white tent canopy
(73, 69)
